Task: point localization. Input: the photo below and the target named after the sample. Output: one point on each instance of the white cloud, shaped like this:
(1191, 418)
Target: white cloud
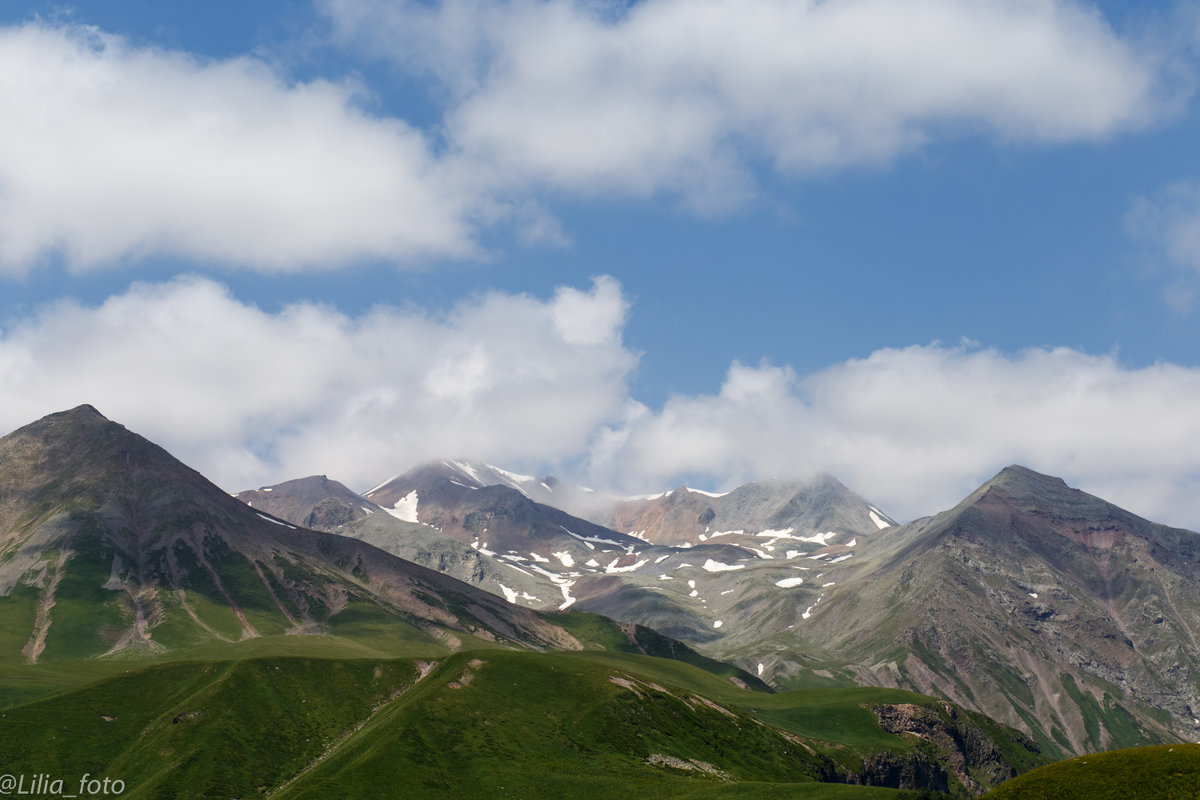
(682, 95)
(110, 152)
(501, 378)
(250, 397)
(916, 429)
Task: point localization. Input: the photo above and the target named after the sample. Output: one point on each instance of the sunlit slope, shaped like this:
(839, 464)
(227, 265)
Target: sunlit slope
(478, 724)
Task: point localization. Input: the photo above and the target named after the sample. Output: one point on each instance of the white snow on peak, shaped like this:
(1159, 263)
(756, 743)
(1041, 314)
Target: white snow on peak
(267, 489)
(564, 558)
(277, 522)
(717, 566)
(405, 508)
(514, 476)
(466, 469)
(789, 583)
(706, 494)
(635, 497)
(877, 518)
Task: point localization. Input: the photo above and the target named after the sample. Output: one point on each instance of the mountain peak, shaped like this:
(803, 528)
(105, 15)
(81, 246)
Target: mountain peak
(1025, 484)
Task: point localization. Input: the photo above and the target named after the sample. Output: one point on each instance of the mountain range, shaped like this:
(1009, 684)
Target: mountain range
(1043, 606)
(1032, 603)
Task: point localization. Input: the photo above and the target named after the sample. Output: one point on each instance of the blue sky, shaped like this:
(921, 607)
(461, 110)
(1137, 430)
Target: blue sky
(704, 241)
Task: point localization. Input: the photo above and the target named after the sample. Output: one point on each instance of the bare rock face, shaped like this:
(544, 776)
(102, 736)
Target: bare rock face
(966, 747)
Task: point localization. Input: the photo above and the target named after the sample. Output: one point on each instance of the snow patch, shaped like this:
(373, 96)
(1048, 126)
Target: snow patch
(661, 559)
(717, 566)
(718, 623)
(852, 543)
(789, 583)
(793, 553)
(540, 559)
(706, 494)
(277, 522)
(807, 613)
(879, 521)
(611, 568)
(509, 594)
(1033, 595)
(564, 558)
(760, 669)
(405, 508)
(840, 559)
(591, 562)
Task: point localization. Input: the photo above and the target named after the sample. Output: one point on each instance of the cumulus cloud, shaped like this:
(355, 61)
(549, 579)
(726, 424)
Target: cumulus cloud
(542, 385)
(110, 151)
(916, 429)
(358, 398)
(682, 95)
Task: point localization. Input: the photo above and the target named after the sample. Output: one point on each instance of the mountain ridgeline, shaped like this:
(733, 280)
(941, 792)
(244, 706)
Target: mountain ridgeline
(188, 644)
(1038, 604)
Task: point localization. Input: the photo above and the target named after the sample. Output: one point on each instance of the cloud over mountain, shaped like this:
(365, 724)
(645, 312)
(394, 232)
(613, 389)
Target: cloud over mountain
(544, 384)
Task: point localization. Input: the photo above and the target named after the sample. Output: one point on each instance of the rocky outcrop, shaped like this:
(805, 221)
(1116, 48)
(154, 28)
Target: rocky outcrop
(962, 747)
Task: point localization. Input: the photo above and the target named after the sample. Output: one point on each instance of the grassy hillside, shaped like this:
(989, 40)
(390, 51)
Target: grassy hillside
(484, 723)
(1165, 772)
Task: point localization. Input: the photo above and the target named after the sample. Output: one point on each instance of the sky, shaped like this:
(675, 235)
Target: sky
(633, 245)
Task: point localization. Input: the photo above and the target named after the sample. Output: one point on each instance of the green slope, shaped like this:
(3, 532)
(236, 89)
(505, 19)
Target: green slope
(485, 723)
(1165, 772)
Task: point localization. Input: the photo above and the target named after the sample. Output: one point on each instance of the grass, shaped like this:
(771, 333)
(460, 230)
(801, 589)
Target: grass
(1164, 772)
(262, 720)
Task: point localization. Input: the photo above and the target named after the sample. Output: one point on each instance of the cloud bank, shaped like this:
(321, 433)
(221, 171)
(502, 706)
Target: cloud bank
(250, 397)
(684, 95)
(540, 384)
(111, 151)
